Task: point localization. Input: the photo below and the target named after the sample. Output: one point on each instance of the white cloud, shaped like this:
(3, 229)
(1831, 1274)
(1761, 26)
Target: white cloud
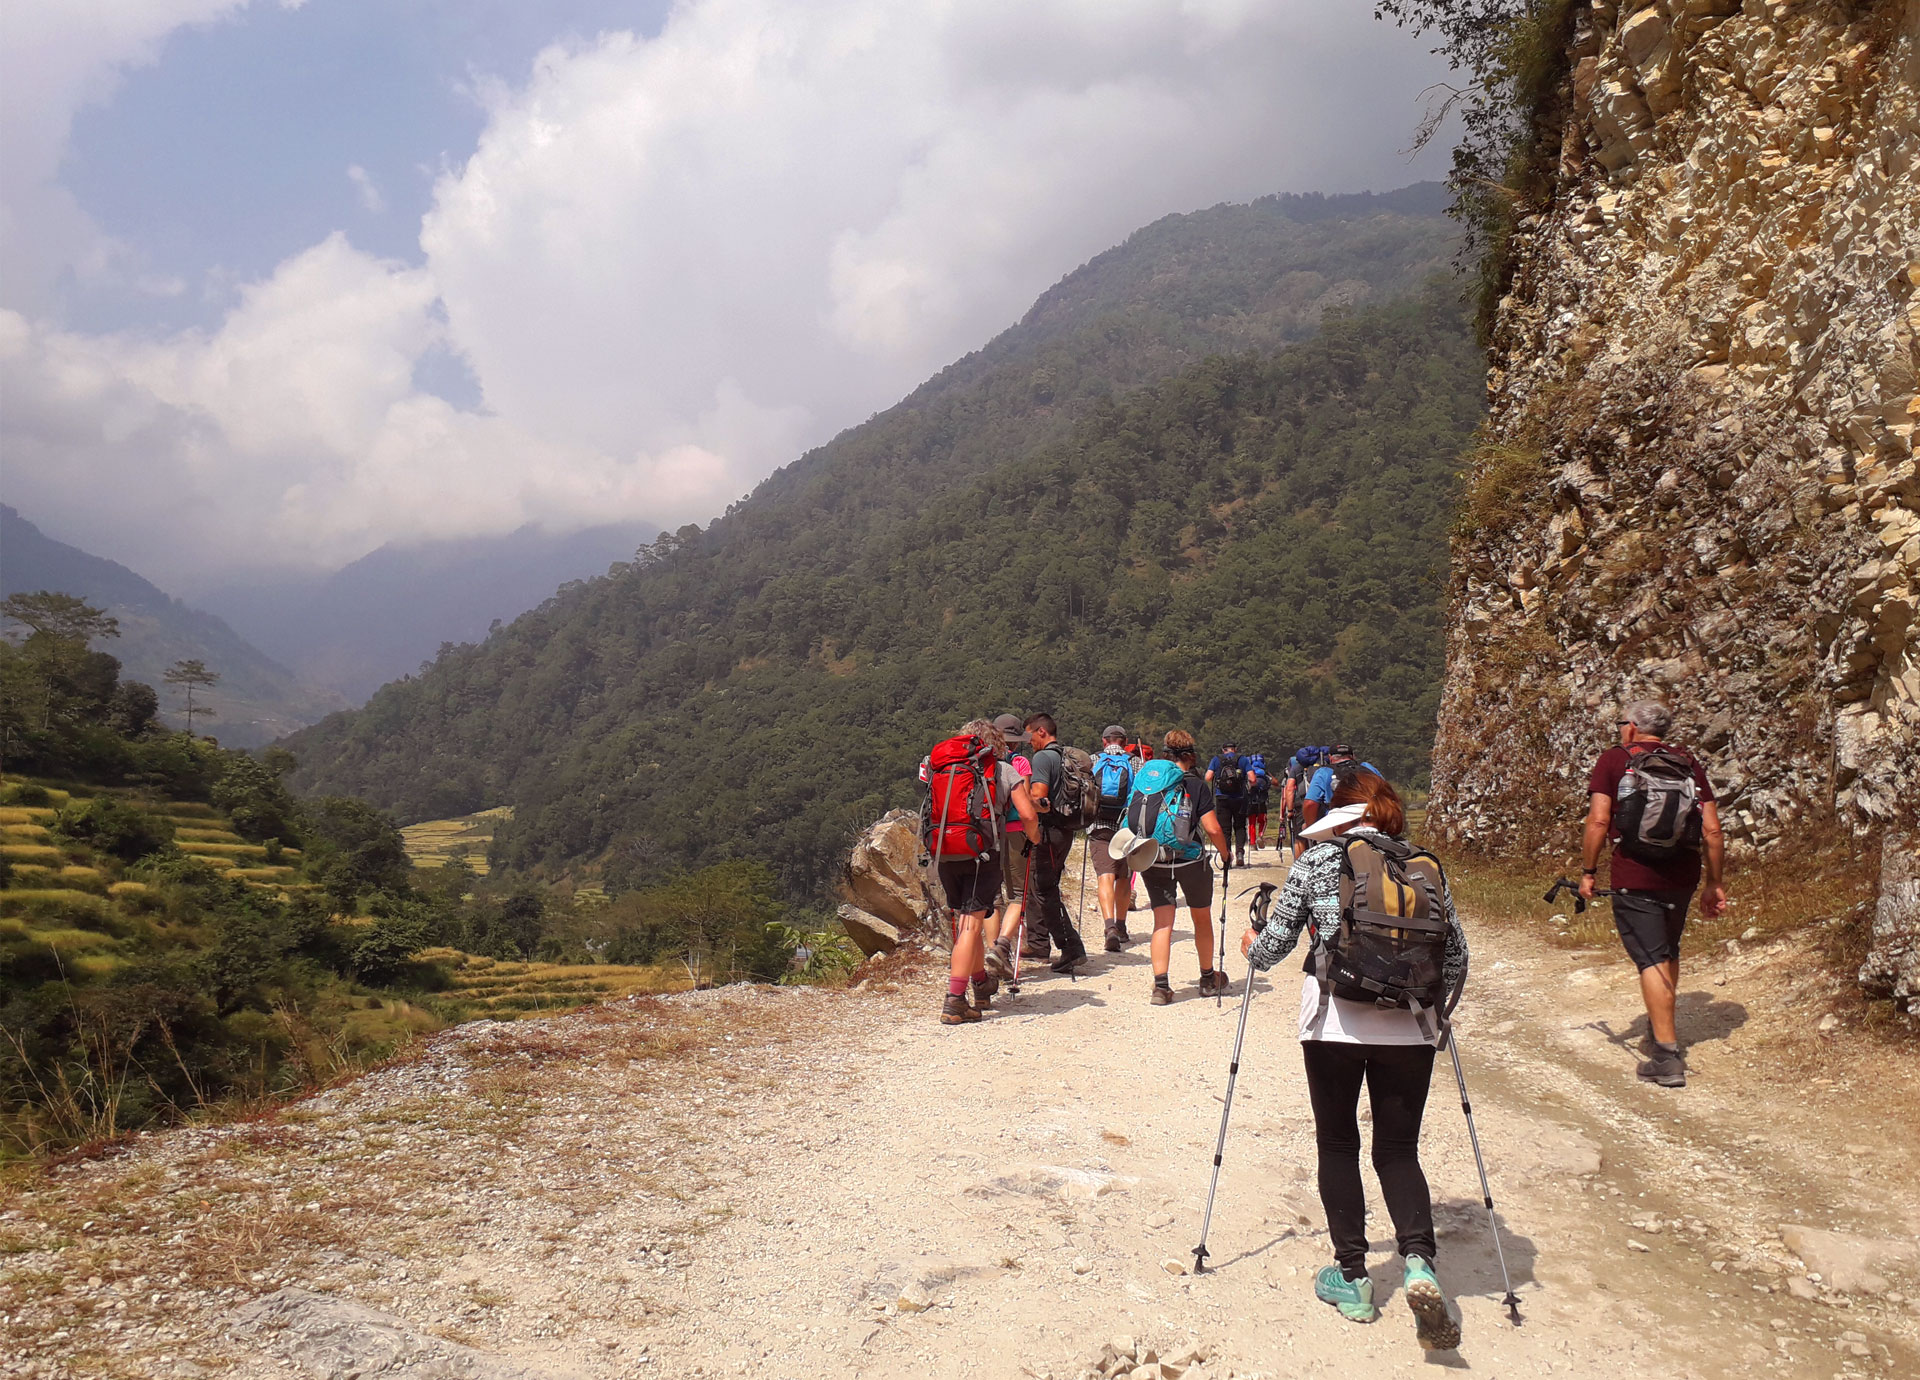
(370, 199)
(672, 262)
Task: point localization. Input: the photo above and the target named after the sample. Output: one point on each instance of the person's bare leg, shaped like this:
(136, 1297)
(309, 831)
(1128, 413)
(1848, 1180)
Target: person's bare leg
(1108, 914)
(1162, 940)
(1659, 985)
(968, 951)
(1203, 935)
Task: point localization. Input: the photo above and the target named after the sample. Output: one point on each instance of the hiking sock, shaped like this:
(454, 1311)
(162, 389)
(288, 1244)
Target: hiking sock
(1205, 973)
(980, 976)
(1353, 1272)
(1162, 980)
(956, 987)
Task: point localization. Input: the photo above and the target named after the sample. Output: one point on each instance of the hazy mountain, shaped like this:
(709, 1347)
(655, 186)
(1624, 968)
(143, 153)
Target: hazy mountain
(257, 700)
(379, 618)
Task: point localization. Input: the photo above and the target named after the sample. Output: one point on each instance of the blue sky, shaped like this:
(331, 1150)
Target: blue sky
(282, 282)
(231, 152)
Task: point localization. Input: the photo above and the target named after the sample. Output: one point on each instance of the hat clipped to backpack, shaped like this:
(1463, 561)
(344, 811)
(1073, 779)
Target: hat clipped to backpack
(1128, 847)
(1333, 821)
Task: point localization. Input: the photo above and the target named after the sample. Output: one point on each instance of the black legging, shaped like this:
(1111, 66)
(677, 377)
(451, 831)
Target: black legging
(1396, 1077)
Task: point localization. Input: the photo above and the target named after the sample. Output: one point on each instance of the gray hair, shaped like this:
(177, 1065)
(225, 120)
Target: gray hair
(986, 732)
(1649, 716)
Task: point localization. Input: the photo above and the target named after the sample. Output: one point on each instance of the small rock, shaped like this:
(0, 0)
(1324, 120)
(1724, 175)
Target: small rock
(1172, 1266)
(913, 1299)
(1152, 1372)
(1641, 1246)
(1121, 1345)
(1828, 1022)
(1082, 1266)
(1749, 934)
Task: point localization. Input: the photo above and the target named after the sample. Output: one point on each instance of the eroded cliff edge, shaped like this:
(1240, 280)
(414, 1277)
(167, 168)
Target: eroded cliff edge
(1699, 477)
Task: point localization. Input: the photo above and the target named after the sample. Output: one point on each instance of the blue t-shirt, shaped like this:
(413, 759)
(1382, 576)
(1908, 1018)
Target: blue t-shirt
(1321, 787)
(1233, 792)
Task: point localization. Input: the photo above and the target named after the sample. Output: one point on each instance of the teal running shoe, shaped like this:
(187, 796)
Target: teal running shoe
(1353, 1297)
(1432, 1323)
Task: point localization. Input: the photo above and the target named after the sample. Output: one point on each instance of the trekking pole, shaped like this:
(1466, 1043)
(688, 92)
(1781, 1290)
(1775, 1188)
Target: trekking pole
(1080, 905)
(1512, 1300)
(1257, 917)
(1020, 933)
(1220, 964)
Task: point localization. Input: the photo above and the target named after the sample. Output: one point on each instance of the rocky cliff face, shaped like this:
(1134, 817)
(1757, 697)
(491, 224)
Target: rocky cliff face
(1699, 480)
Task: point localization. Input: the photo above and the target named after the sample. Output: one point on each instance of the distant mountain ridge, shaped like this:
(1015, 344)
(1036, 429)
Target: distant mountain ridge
(1205, 481)
(257, 699)
(379, 618)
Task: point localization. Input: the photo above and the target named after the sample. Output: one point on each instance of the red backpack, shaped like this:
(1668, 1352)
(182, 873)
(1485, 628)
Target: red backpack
(962, 818)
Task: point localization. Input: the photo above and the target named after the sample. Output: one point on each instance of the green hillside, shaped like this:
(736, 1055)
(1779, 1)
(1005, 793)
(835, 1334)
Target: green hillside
(1253, 546)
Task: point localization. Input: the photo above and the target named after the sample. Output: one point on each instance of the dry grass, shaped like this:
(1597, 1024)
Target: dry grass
(45, 854)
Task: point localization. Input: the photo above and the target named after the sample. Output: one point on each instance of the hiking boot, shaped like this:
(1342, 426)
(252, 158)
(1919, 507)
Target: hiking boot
(1214, 983)
(1114, 941)
(955, 1011)
(1433, 1325)
(1666, 1067)
(1121, 930)
(983, 992)
(999, 962)
(1162, 996)
(1353, 1297)
(1072, 955)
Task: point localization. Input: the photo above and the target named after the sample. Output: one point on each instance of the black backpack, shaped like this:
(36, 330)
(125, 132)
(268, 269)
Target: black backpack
(1231, 777)
(1657, 805)
(1391, 946)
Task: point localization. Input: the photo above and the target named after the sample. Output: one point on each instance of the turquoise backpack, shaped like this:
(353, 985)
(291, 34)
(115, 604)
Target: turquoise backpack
(1161, 808)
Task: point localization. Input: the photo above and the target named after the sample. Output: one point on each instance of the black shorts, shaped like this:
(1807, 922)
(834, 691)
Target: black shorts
(1651, 923)
(1194, 879)
(972, 886)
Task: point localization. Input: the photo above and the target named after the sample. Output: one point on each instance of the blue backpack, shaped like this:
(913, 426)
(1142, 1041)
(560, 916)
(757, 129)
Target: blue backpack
(1113, 777)
(1161, 808)
(1258, 782)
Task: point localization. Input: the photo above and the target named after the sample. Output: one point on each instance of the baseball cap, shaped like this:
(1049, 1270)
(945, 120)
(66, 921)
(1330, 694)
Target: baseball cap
(1113, 731)
(1342, 750)
(1011, 728)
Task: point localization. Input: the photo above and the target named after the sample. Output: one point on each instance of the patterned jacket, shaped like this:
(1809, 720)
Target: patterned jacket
(1312, 893)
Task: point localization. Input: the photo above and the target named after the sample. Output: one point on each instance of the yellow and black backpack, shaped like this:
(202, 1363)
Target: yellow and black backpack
(1391, 946)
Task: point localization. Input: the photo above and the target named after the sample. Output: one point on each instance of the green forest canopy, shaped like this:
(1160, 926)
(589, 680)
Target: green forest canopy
(1254, 546)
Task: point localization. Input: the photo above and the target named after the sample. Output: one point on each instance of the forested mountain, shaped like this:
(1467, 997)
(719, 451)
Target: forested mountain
(257, 699)
(1255, 545)
(379, 618)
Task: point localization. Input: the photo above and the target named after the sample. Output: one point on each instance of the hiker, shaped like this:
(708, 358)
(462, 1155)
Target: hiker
(1653, 800)
(1259, 794)
(966, 781)
(1356, 867)
(1293, 793)
(1047, 859)
(1013, 853)
(1113, 773)
(1170, 818)
(1227, 774)
(1338, 765)
(1141, 750)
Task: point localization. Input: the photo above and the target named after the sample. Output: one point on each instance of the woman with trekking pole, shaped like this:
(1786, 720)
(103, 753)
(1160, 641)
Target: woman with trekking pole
(1382, 927)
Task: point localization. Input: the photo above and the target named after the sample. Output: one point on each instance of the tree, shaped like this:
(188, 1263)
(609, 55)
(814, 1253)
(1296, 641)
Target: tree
(60, 628)
(190, 674)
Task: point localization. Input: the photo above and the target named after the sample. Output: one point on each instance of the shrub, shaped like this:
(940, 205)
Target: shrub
(28, 794)
(114, 827)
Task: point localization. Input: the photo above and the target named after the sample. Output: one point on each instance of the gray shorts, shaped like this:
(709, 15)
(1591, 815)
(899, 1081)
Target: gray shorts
(1650, 924)
(1104, 863)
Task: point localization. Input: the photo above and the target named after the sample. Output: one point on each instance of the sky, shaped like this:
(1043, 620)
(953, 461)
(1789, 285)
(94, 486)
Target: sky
(282, 281)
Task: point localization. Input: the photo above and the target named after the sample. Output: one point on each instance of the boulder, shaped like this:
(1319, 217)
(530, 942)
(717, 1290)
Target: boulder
(885, 886)
(1847, 1262)
(336, 1339)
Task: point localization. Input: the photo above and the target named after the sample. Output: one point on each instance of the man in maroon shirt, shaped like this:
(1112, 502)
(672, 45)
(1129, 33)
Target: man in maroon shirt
(1650, 899)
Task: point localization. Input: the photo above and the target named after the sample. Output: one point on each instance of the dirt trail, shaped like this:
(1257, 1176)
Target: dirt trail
(796, 1183)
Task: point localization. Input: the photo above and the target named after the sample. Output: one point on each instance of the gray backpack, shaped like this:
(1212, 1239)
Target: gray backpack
(1657, 805)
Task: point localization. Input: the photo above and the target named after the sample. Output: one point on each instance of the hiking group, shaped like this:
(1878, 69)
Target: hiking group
(1386, 959)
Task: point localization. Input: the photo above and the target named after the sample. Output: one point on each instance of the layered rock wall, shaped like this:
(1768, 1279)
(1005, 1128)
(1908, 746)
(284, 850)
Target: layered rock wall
(1699, 481)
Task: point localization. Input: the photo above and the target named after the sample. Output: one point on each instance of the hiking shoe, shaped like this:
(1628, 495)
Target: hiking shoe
(1214, 983)
(1037, 950)
(1432, 1323)
(1353, 1297)
(1114, 941)
(1162, 996)
(999, 962)
(983, 992)
(1071, 956)
(1121, 930)
(956, 1011)
(1666, 1067)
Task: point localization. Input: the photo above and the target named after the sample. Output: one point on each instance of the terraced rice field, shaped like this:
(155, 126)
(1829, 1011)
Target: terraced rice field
(436, 842)
(504, 989)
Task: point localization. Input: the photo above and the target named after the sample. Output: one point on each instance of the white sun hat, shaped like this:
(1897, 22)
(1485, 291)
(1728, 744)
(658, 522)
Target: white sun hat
(1135, 851)
(1333, 821)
